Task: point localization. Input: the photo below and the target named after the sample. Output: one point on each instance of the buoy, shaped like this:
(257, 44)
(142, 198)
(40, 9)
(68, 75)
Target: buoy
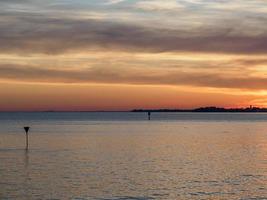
(27, 128)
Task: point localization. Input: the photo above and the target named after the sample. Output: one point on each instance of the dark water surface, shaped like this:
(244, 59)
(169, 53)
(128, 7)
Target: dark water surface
(124, 156)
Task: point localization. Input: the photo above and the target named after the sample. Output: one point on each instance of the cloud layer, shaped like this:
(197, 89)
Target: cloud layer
(205, 76)
(193, 29)
(197, 43)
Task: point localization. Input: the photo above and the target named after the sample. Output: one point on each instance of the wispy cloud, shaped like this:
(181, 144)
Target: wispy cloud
(159, 5)
(40, 41)
(110, 2)
(134, 75)
(36, 33)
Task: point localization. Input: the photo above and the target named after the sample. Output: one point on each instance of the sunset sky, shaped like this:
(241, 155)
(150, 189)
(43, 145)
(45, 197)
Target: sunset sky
(126, 54)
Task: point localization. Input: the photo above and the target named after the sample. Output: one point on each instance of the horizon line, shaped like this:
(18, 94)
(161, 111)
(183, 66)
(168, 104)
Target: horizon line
(198, 109)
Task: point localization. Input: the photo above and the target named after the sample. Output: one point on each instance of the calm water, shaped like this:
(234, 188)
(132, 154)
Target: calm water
(124, 156)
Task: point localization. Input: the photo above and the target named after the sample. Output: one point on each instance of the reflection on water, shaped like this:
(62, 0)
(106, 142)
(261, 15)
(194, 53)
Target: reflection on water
(26, 159)
(135, 160)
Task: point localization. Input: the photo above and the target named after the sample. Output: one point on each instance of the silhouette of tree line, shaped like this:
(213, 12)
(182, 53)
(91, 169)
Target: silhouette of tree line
(206, 109)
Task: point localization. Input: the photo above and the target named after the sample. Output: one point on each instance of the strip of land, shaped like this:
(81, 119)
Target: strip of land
(206, 109)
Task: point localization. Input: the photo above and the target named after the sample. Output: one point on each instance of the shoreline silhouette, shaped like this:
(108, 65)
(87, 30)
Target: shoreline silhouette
(200, 109)
(207, 109)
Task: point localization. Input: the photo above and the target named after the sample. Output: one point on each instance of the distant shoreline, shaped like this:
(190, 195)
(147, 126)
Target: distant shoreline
(196, 110)
(208, 110)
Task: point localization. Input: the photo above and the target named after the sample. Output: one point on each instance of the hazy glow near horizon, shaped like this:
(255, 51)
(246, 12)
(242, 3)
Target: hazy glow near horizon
(125, 54)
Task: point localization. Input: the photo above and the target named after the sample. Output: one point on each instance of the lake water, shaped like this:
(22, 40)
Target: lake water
(119, 156)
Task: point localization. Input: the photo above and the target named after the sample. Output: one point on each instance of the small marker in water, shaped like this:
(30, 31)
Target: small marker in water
(149, 115)
(27, 128)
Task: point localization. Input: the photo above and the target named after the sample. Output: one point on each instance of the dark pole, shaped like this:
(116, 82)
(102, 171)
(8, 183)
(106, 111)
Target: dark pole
(149, 115)
(26, 128)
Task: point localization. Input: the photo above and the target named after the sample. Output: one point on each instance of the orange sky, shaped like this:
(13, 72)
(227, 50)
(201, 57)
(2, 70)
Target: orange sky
(121, 54)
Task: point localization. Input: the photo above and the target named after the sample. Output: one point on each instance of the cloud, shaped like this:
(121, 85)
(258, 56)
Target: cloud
(14, 1)
(198, 26)
(158, 5)
(36, 33)
(251, 62)
(110, 2)
(131, 76)
(203, 44)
